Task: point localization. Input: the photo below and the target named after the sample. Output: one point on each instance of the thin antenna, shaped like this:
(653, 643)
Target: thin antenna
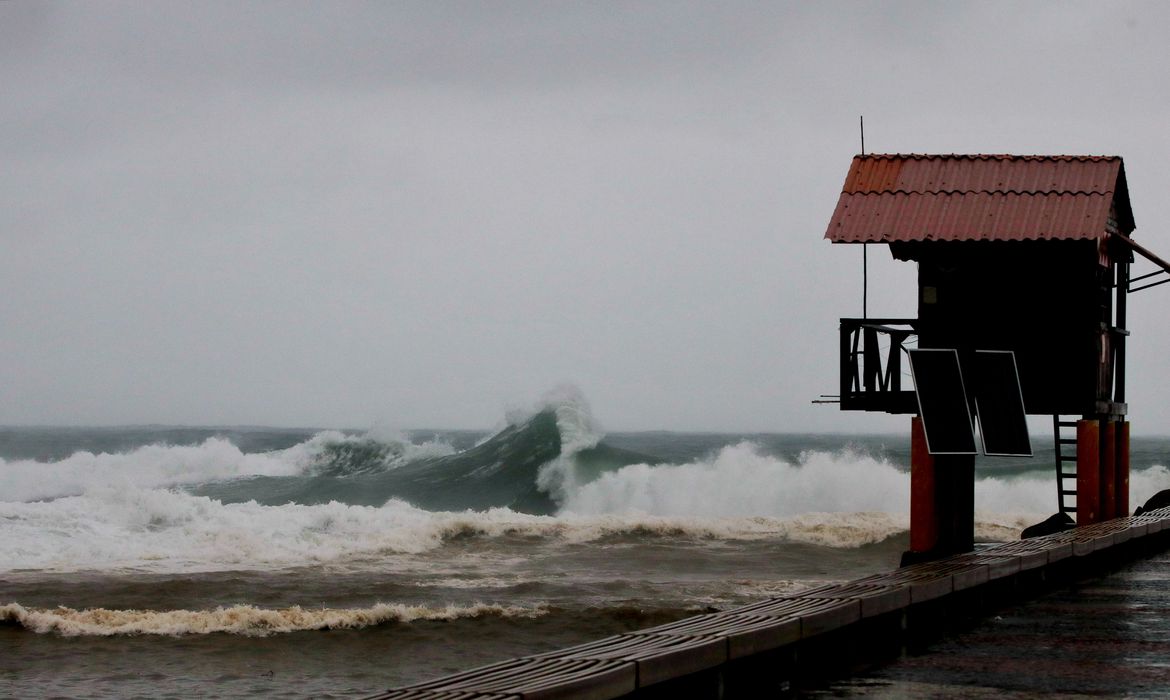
(864, 246)
(865, 280)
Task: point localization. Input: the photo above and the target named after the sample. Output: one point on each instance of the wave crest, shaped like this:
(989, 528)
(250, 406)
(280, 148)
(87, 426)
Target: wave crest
(245, 620)
(740, 479)
(148, 466)
(329, 452)
(167, 531)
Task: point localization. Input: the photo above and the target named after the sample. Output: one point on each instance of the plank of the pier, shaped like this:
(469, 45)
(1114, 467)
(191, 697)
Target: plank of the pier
(541, 678)
(1154, 524)
(964, 572)
(1163, 513)
(420, 694)
(1086, 539)
(998, 565)
(1138, 528)
(756, 634)
(1030, 553)
(924, 585)
(817, 616)
(656, 657)
(711, 624)
(769, 624)
(1058, 545)
(875, 598)
(744, 634)
(1120, 528)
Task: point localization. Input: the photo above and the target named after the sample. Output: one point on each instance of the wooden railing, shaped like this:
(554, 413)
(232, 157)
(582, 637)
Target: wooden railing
(869, 381)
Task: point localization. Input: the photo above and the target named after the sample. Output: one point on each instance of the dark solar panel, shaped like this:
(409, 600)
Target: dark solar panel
(999, 404)
(942, 401)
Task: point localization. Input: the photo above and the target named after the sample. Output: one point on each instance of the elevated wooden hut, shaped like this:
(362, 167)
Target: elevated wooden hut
(1027, 255)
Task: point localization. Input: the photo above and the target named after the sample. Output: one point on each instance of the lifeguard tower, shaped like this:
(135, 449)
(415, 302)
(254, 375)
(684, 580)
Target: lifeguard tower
(1023, 272)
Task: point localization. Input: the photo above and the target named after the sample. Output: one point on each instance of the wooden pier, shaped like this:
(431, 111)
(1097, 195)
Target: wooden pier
(779, 644)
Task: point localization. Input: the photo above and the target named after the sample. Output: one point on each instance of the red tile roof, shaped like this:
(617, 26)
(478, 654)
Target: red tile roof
(890, 198)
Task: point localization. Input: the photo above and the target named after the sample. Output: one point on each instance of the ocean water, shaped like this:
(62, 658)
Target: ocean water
(244, 562)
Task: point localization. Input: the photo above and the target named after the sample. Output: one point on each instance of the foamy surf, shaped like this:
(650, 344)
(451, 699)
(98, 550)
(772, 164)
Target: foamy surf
(336, 500)
(740, 479)
(244, 620)
(169, 531)
(215, 459)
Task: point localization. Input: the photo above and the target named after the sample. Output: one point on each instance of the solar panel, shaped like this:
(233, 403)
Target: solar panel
(942, 401)
(999, 404)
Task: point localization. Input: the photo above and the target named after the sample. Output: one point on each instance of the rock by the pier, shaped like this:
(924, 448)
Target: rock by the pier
(1158, 500)
(1057, 523)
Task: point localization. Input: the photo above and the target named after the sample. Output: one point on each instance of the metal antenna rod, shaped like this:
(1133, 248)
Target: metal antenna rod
(865, 280)
(864, 246)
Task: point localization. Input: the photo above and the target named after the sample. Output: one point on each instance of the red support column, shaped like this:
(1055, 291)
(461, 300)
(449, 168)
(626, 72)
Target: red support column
(1108, 470)
(1122, 489)
(1088, 472)
(923, 508)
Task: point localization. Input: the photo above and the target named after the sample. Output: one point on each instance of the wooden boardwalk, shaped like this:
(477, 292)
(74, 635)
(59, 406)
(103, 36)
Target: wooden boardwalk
(784, 643)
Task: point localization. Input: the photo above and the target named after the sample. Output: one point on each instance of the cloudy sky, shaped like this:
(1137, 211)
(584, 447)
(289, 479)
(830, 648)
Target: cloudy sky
(420, 214)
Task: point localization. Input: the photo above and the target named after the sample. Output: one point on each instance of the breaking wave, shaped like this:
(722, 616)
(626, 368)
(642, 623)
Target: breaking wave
(245, 620)
(167, 531)
(328, 453)
(548, 475)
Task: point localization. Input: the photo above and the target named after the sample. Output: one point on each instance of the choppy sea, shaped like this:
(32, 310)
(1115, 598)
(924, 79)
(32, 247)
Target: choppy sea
(242, 562)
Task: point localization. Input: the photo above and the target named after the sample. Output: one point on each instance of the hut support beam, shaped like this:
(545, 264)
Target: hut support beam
(1088, 472)
(1122, 468)
(1102, 470)
(942, 499)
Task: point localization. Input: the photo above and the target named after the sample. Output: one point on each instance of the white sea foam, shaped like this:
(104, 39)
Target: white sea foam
(243, 620)
(149, 466)
(168, 531)
(740, 480)
(155, 529)
(162, 466)
(855, 488)
(121, 519)
(1146, 483)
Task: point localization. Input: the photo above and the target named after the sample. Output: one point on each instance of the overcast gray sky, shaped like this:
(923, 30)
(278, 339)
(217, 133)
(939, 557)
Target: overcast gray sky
(419, 214)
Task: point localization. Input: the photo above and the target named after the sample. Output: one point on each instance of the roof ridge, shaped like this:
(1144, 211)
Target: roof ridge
(988, 156)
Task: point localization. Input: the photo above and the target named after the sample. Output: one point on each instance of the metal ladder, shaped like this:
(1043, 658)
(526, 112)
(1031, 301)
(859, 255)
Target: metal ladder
(1060, 429)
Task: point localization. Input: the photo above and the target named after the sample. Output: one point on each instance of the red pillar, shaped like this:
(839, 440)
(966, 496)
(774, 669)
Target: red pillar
(923, 509)
(1109, 470)
(1122, 489)
(1088, 472)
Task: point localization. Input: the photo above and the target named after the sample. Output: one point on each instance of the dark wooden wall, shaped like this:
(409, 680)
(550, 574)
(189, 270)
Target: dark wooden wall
(1048, 301)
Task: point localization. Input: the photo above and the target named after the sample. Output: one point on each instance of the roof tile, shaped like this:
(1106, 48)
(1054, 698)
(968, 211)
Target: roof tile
(914, 197)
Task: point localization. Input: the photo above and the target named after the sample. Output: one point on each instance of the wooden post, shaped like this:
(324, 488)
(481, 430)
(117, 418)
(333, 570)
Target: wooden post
(871, 352)
(1122, 490)
(1108, 469)
(1088, 472)
(923, 514)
